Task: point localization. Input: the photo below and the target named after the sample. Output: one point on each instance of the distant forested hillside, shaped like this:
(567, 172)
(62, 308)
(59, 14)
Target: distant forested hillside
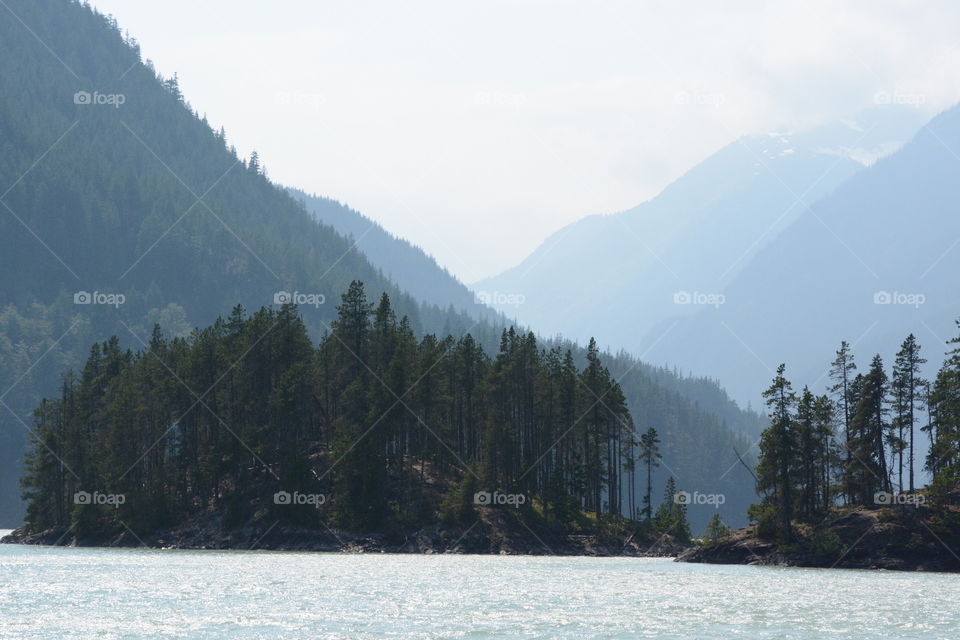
(404, 263)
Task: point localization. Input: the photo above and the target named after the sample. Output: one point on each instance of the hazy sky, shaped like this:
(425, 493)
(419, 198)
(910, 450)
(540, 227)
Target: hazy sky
(475, 129)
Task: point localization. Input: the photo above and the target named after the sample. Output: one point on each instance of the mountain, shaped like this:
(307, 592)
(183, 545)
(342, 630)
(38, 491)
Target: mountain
(122, 209)
(634, 270)
(397, 258)
(872, 262)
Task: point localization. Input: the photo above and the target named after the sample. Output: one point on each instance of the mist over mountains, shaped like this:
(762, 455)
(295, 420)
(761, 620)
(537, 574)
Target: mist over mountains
(689, 277)
(871, 263)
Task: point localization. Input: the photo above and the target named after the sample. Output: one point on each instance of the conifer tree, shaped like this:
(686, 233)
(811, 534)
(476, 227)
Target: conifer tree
(907, 370)
(671, 516)
(775, 470)
(650, 457)
(842, 373)
(867, 472)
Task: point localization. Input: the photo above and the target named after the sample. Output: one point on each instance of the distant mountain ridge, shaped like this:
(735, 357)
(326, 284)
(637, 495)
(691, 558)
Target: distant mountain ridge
(628, 268)
(402, 262)
(639, 272)
(871, 262)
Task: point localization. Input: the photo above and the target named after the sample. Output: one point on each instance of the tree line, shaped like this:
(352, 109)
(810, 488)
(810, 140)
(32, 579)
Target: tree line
(372, 419)
(114, 209)
(859, 443)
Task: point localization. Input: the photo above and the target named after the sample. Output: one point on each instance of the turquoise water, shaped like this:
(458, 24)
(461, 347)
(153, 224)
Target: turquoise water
(110, 593)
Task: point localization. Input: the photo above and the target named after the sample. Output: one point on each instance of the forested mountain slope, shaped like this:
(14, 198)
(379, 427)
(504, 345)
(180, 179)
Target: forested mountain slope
(121, 209)
(113, 186)
(404, 263)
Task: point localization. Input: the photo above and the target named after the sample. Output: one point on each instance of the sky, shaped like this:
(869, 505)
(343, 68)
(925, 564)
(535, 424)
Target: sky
(477, 129)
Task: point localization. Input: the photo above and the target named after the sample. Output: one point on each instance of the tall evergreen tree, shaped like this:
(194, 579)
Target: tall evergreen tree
(778, 443)
(650, 457)
(907, 370)
(867, 472)
(842, 371)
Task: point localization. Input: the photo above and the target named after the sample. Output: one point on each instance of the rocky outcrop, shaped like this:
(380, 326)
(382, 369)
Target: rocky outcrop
(896, 538)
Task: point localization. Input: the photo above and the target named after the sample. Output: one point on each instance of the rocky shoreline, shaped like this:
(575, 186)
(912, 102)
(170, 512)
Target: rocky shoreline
(860, 538)
(491, 533)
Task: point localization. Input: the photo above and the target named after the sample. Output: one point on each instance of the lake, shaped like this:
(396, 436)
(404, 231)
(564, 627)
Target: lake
(114, 593)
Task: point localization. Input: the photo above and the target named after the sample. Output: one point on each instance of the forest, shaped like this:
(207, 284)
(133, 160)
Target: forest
(863, 443)
(151, 202)
(371, 423)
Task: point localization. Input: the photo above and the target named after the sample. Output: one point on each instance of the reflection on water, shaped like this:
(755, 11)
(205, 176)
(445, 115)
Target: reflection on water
(111, 593)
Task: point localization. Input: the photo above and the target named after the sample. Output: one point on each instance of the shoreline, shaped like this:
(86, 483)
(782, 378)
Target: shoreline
(488, 535)
(848, 538)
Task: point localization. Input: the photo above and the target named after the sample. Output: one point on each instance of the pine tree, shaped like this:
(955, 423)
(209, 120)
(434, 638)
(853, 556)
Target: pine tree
(778, 445)
(716, 529)
(867, 472)
(842, 372)
(807, 455)
(909, 364)
(824, 415)
(671, 516)
(943, 461)
(650, 457)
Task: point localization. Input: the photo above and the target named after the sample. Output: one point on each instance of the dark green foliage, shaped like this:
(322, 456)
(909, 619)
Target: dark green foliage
(107, 199)
(797, 459)
(842, 373)
(802, 471)
(906, 387)
(765, 517)
(778, 452)
(944, 425)
(144, 200)
(371, 420)
(867, 472)
(671, 517)
(650, 458)
(457, 506)
(716, 530)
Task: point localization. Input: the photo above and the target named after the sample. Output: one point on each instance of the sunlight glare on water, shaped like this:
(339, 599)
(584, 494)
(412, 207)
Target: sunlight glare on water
(112, 593)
